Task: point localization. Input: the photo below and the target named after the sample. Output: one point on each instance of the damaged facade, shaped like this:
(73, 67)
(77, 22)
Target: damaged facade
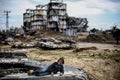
(56, 15)
(76, 25)
(34, 18)
(38, 18)
(53, 16)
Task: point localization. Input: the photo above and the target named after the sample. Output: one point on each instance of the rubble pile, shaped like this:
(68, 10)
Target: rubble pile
(16, 65)
(14, 62)
(51, 43)
(67, 40)
(46, 43)
(23, 45)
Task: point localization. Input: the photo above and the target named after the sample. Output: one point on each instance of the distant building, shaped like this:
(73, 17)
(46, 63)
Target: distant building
(27, 19)
(53, 16)
(56, 15)
(75, 25)
(38, 19)
(35, 18)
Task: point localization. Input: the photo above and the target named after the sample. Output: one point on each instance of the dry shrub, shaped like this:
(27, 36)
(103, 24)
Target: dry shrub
(86, 48)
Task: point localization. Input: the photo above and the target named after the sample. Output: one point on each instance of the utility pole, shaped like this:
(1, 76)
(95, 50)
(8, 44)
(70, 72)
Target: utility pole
(7, 17)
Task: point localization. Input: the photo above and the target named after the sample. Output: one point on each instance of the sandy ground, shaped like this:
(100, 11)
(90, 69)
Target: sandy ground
(98, 68)
(100, 46)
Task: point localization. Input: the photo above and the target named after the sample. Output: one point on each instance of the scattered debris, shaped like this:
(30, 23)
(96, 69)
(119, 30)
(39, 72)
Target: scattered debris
(52, 43)
(49, 40)
(67, 40)
(52, 46)
(46, 43)
(24, 45)
(16, 66)
(15, 62)
(9, 39)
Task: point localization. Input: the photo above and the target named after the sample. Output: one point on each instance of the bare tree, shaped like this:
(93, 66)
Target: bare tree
(116, 33)
(94, 30)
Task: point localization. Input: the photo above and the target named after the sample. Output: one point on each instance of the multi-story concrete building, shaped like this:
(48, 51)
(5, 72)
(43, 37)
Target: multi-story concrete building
(35, 18)
(27, 19)
(76, 25)
(38, 19)
(56, 15)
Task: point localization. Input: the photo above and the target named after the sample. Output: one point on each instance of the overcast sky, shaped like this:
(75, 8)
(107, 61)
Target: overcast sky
(101, 14)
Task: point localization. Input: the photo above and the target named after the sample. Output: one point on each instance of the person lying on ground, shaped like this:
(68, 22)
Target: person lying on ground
(52, 69)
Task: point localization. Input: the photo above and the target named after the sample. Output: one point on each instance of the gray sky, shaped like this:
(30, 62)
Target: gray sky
(101, 14)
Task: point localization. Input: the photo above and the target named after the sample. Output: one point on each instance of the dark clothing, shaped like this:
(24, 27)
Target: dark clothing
(41, 73)
(55, 67)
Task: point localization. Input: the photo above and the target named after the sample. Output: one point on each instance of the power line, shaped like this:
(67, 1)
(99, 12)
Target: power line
(7, 18)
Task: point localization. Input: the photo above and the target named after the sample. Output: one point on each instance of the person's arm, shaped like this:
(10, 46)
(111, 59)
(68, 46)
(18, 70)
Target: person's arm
(52, 68)
(61, 70)
(52, 74)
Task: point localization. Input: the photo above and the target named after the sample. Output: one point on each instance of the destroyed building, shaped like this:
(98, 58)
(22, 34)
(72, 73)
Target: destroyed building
(26, 19)
(38, 19)
(34, 18)
(56, 15)
(76, 25)
(53, 16)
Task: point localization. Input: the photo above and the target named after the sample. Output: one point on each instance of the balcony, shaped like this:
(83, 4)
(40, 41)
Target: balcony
(57, 12)
(53, 18)
(38, 19)
(36, 23)
(58, 7)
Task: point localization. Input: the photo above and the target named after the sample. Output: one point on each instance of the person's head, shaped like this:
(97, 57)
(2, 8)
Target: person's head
(61, 61)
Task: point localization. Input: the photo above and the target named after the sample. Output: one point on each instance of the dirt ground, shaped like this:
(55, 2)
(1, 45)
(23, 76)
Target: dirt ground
(100, 64)
(103, 67)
